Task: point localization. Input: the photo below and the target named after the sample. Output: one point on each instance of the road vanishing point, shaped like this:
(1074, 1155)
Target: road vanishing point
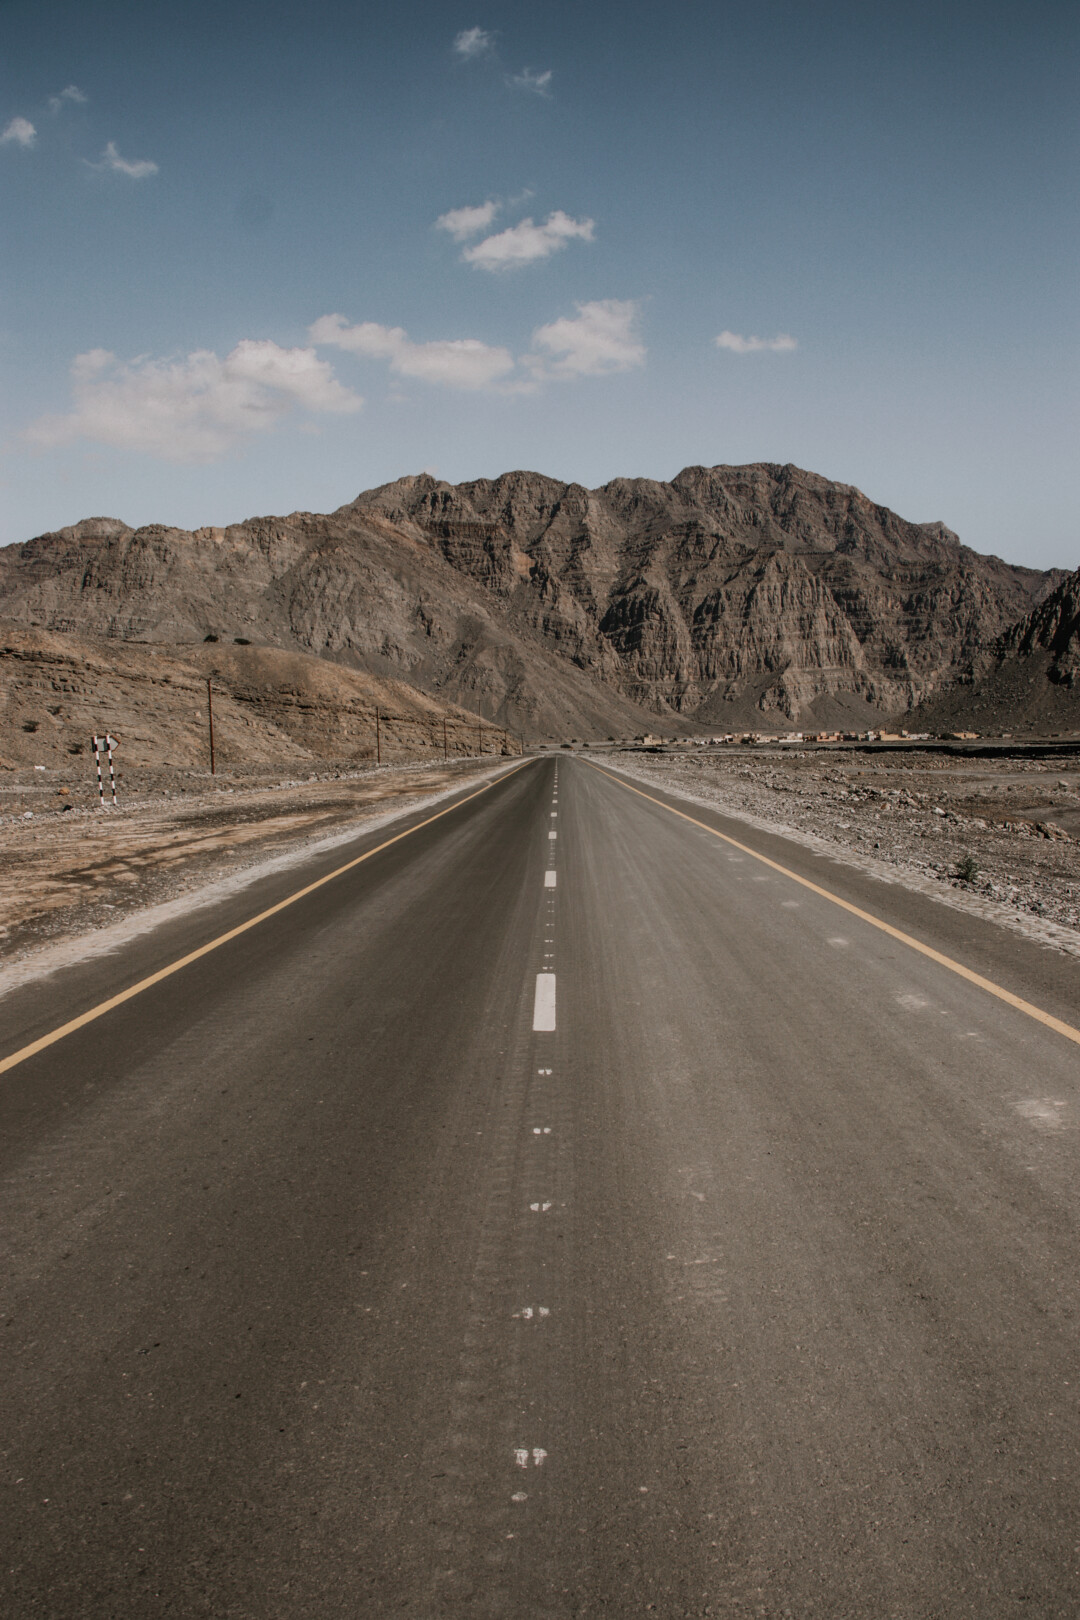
(564, 1202)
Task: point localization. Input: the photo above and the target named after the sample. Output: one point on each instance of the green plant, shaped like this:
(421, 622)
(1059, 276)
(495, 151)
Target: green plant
(968, 869)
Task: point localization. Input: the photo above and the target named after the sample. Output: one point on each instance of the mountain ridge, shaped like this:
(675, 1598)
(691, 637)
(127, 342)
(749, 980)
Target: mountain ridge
(731, 595)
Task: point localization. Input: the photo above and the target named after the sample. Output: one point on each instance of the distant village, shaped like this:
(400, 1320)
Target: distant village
(746, 738)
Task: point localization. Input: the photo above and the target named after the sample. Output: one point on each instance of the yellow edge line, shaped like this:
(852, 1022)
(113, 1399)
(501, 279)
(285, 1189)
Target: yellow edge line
(1037, 1013)
(102, 1007)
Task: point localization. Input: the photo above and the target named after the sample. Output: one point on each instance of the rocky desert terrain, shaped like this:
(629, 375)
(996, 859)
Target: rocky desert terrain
(269, 707)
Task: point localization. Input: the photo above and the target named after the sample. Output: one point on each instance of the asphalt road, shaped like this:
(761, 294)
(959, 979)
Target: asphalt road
(334, 1288)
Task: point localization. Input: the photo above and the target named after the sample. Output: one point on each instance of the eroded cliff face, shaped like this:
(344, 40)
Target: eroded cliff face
(1053, 628)
(732, 595)
(731, 587)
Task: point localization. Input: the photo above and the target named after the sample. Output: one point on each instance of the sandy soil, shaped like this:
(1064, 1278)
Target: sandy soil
(998, 837)
(68, 868)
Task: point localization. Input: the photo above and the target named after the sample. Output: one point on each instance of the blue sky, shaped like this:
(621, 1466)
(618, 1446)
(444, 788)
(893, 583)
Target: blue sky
(843, 235)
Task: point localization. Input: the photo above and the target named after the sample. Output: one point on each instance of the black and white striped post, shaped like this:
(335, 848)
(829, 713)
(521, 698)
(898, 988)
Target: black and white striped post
(108, 742)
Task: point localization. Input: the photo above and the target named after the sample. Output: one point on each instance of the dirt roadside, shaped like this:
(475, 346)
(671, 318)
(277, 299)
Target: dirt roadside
(69, 868)
(1000, 838)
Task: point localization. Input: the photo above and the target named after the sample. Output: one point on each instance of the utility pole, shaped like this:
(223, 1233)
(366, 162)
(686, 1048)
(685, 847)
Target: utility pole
(445, 750)
(378, 739)
(210, 718)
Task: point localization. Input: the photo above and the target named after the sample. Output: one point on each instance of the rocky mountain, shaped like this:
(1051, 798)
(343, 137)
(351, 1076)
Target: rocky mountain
(757, 595)
(1027, 680)
(1053, 628)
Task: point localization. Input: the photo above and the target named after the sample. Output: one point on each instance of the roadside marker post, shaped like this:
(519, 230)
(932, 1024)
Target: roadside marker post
(108, 742)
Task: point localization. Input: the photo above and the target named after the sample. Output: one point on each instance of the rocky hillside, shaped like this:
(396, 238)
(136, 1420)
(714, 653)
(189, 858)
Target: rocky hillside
(270, 706)
(1028, 680)
(1053, 628)
(730, 596)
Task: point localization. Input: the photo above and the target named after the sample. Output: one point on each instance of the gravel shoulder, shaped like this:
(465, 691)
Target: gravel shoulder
(990, 837)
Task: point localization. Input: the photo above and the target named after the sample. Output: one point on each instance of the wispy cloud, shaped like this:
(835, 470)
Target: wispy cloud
(600, 340)
(135, 169)
(20, 132)
(71, 93)
(538, 84)
(454, 362)
(525, 242)
(780, 344)
(465, 222)
(194, 408)
(473, 42)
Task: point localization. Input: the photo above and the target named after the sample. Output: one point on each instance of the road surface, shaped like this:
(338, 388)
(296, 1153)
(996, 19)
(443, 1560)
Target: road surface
(560, 1212)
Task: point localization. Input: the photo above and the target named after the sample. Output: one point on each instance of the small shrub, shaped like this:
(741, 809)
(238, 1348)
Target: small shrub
(968, 869)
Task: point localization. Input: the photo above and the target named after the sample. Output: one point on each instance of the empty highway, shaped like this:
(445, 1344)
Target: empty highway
(576, 1205)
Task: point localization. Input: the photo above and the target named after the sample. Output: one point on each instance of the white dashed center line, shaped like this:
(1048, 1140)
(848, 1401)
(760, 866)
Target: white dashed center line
(549, 880)
(544, 1002)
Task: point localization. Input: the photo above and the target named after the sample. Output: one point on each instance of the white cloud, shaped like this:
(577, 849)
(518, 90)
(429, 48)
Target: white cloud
(91, 364)
(455, 362)
(472, 42)
(71, 93)
(780, 344)
(599, 341)
(194, 408)
(465, 222)
(525, 243)
(20, 132)
(538, 83)
(136, 169)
